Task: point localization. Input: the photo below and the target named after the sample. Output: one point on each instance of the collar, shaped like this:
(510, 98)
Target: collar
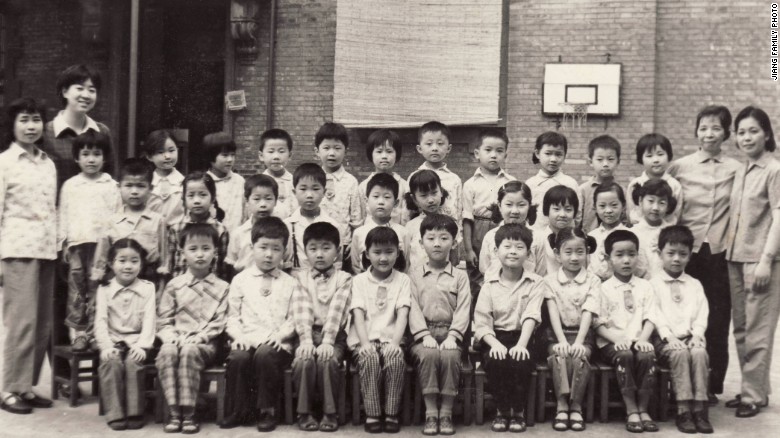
(315, 274)
(60, 125)
(256, 272)
(594, 182)
(426, 166)
(296, 217)
(18, 152)
(702, 156)
(175, 178)
(644, 177)
(494, 276)
(114, 287)
(447, 269)
(371, 223)
(615, 283)
(373, 279)
(103, 178)
(338, 174)
(188, 220)
(501, 173)
(544, 175)
(762, 162)
(663, 275)
(144, 214)
(286, 176)
(579, 278)
(190, 279)
(218, 179)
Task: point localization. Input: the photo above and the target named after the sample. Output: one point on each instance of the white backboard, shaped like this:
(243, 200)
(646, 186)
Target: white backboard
(594, 84)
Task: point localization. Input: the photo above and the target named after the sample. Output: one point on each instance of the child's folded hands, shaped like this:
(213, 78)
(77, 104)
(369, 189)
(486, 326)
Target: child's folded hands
(137, 354)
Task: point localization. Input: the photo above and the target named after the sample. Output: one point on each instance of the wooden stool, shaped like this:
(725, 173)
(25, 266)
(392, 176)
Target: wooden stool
(64, 353)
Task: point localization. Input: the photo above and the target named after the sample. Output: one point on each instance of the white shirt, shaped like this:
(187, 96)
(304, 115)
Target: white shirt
(359, 241)
(86, 208)
(230, 197)
(239, 252)
(615, 314)
(541, 183)
(688, 315)
(171, 203)
(297, 224)
(286, 203)
(400, 214)
(380, 300)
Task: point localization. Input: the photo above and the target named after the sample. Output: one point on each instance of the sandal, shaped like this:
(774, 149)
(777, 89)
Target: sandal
(517, 424)
(648, 425)
(500, 423)
(561, 421)
(190, 426)
(576, 425)
(634, 426)
(307, 423)
(173, 425)
(329, 423)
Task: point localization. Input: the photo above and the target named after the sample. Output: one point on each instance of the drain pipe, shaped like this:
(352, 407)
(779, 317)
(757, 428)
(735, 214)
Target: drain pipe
(269, 103)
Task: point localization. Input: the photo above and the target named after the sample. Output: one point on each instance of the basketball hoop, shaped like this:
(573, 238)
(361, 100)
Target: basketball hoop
(576, 113)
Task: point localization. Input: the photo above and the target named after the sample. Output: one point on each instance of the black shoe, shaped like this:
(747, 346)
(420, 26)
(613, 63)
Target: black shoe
(736, 401)
(37, 401)
(747, 410)
(685, 422)
(373, 427)
(702, 421)
(65, 390)
(135, 422)
(266, 422)
(712, 399)
(14, 404)
(391, 424)
(118, 425)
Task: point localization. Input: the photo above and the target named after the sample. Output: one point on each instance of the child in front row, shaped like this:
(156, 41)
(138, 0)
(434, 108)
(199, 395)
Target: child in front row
(220, 152)
(261, 193)
(190, 317)
(319, 308)
(426, 196)
(560, 206)
(550, 154)
(507, 312)
(124, 330)
(656, 202)
(261, 328)
(572, 304)
(438, 320)
(624, 325)
(381, 298)
(682, 322)
(383, 191)
(383, 148)
(654, 152)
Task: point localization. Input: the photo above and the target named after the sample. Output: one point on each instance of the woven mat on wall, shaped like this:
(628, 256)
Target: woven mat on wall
(405, 62)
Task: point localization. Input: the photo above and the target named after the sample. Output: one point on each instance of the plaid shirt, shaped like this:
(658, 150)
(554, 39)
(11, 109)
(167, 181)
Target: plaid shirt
(174, 256)
(192, 308)
(321, 299)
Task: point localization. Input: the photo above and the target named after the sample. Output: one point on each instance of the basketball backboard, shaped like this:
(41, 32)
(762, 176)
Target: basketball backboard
(597, 85)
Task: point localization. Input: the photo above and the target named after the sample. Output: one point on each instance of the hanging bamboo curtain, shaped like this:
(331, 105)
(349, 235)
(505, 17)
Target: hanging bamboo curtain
(405, 62)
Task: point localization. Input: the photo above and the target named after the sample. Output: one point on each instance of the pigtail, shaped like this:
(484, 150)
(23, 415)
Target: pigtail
(411, 205)
(400, 261)
(532, 214)
(534, 158)
(495, 213)
(552, 239)
(220, 213)
(591, 244)
(671, 204)
(444, 194)
(655, 187)
(636, 193)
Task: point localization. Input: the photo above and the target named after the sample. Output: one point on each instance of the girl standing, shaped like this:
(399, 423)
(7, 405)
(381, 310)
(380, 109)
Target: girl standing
(426, 196)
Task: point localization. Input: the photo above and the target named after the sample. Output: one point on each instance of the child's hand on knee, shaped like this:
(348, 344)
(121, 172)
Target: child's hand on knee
(391, 350)
(577, 350)
(676, 344)
(240, 344)
(325, 351)
(498, 351)
(108, 354)
(625, 344)
(697, 341)
(275, 343)
(192, 340)
(562, 348)
(519, 353)
(643, 346)
(429, 342)
(305, 351)
(137, 354)
(367, 350)
(449, 344)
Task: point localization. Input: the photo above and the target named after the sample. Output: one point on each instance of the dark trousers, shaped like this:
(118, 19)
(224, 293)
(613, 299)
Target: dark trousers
(256, 374)
(508, 379)
(635, 370)
(713, 273)
(315, 372)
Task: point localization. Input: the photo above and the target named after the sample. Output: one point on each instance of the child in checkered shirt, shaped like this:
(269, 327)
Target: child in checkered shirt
(319, 308)
(191, 316)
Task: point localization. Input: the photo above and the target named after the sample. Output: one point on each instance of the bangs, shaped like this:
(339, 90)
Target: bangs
(424, 181)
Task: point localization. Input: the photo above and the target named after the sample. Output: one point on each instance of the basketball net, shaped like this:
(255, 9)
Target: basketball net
(575, 113)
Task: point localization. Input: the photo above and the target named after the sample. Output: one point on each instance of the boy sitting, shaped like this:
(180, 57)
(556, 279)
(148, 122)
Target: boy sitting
(682, 322)
(261, 328)
(261, 193)
(320, 313)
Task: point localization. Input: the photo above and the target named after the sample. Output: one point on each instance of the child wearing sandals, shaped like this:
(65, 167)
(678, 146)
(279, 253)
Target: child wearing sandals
(572, 304)
(624, 325)
(507, 312)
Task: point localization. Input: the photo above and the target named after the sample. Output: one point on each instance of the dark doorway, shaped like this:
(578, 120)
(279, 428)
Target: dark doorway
(182, 71)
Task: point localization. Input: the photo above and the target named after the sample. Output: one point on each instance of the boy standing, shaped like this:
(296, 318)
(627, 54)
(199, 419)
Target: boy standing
(319, 309)
(191, 315)
(220, 151)
(86, 200)
(438, 320)
(682, 322)
(603, 157)
(275, 149)
(261, 193)
(261, 328)
(383, 148)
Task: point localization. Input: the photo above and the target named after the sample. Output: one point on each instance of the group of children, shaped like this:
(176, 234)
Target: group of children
(304, 269)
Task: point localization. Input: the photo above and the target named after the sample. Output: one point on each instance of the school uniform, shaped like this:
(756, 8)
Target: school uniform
(478, 192)
(440, 305)
(85, 208)
(707, 183)
(380, 301)
(754, 197)
(634, 211)
(541, 183)
(239, 252)
(624, 308)
(167, 196)
(319, 309)
(58, 139)
(174, 257)
(572, 297)
(342, 203)
(650, 260)
(359, 241)
(400, 214)
(230, 197)
(488, 260)
(682, 313)
(123, 314)
(501, 310)
(259, 309)
(286, 203)
(28, 250)
(190, 308)
(295, 252)
(451, 182)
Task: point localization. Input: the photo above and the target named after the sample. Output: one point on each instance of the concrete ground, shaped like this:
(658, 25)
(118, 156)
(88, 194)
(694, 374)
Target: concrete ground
(83, 421)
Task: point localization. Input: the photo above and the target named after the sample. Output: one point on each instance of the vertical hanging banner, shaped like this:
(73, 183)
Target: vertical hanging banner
(402, 63)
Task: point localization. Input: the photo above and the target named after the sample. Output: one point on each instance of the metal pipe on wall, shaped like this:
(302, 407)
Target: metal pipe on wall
(132, 95)
(269, 103)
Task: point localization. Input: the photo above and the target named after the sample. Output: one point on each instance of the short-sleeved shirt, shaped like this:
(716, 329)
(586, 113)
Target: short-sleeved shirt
(380, 300)
(125, 314)
(399, 214)
(541, 183)
(650, 259)
(451, 182)
(359, 241)
(58, 144)
(542, 253)
(297, 224)
(479, 191)
(259, 307)
(588, 207)
(168, 191)
(148, 229)
(192, 307)
(439, 297)
(28, 197)
(230, 197)
(239, 253)
(685, 316)
(625, 307)
(505, 307)
(488, 259)
(598, 262)
(417, 255)
(706, 184)
(574, 296)
(86, 207)
(286, 203)
(342, 203)
(635, 212)
(756, 194)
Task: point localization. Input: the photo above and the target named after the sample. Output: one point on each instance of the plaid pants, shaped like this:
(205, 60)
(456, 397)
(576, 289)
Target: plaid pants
(119, 387)
(372, 370)
(179, 368)
(81, 296)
